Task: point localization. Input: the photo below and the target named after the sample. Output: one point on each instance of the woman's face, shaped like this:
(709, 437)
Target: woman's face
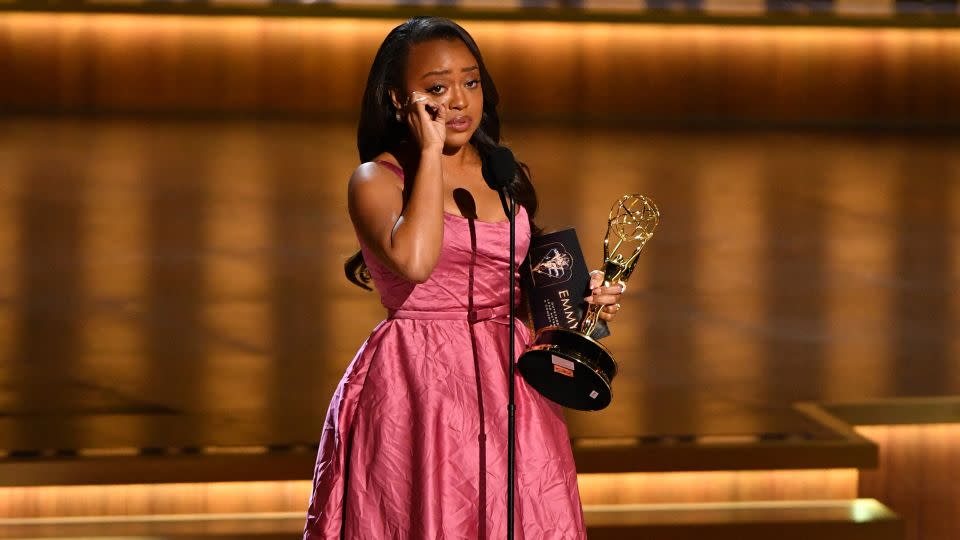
(447, 71)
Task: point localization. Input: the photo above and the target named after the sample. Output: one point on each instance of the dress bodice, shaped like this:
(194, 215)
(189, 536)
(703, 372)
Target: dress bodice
(471, 272)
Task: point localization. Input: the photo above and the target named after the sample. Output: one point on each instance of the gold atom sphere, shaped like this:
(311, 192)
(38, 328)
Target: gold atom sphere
(634, 217)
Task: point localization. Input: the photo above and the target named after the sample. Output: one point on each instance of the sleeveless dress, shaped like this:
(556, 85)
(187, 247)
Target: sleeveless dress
(415, 440)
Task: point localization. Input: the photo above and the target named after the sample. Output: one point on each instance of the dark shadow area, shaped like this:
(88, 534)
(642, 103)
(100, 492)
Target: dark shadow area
(669, 356)
(925, 276)
(795, 277)
(467, 206)
(305, 281)
(48, 344)
(177, 199)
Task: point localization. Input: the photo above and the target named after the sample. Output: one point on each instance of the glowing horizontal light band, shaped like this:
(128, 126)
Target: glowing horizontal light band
(752, 505)
(150, 518)
(278, 497)
(861, 510)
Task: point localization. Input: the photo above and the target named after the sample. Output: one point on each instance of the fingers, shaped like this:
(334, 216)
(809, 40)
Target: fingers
(409, 109)
(596, 278)
(426, 119)
(605, 295)
(441, 114)
(434, 113)
(417, 108)
(609, 297)
(426, 107)
(609, 312)
(414, 98)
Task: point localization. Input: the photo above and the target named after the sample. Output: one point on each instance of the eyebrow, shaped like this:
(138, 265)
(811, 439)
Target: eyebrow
(447, 71)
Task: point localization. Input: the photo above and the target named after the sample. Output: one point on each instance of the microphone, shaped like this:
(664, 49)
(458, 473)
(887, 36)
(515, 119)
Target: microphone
(499, 168)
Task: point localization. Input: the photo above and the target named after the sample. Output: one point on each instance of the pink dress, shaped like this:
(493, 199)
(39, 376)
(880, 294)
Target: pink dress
(415, 441)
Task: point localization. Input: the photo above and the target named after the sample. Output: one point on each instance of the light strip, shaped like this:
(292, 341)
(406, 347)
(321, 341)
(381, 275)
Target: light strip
(737, 505)
(864, 508)
(152, 518)
(756, 8)
(108, 452)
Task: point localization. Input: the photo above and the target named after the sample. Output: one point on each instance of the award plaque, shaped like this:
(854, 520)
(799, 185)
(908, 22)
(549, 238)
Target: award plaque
(556, 280)
(566, 362)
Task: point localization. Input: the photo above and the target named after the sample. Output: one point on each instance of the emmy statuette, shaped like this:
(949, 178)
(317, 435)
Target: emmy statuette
(569, 366)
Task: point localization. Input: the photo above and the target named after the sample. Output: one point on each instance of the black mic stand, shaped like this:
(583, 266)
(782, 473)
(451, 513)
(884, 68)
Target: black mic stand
(510, 210)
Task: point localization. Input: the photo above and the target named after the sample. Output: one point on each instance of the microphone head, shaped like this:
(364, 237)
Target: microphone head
(499, 168)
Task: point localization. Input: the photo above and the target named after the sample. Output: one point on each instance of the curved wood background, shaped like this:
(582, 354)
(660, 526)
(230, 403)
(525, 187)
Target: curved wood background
(78, 62)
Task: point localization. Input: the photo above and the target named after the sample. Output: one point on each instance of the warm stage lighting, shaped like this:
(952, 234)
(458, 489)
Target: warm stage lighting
(655, 71)
(717, 486)
(291, 496)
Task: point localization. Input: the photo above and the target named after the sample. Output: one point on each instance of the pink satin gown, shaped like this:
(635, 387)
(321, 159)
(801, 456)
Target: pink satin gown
(415, 440)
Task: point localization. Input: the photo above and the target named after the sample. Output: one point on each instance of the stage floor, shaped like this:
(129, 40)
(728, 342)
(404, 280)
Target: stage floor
(167, 282)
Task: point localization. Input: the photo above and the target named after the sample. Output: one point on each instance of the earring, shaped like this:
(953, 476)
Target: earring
(397, 116)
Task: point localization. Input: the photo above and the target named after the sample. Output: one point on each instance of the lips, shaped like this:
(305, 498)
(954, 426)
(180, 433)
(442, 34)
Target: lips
(460, 123)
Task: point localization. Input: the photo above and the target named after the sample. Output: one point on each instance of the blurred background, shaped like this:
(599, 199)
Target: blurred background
(174, 316)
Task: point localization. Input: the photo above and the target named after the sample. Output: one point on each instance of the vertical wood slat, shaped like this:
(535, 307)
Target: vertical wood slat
(918, 477)
(683, 72)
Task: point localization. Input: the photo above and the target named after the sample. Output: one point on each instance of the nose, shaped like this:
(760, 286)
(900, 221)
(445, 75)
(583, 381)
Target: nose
(457, 98)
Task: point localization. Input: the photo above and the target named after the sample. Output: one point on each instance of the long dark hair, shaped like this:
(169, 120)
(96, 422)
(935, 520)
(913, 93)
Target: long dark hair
(379, 131)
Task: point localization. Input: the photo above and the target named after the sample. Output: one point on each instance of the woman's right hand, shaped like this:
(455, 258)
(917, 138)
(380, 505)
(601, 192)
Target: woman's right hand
(427, 120)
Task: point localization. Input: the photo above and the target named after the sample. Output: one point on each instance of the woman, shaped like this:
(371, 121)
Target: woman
(414, 445)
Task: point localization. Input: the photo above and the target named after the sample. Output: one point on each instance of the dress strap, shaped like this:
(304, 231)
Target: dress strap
(498, 313)
(393, 168)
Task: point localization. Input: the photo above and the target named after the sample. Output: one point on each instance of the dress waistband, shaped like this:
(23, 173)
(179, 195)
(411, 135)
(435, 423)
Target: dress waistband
(472, 316)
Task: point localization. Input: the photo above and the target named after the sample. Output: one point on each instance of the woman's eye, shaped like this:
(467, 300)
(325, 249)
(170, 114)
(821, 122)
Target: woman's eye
(473, 84)
(436, 89)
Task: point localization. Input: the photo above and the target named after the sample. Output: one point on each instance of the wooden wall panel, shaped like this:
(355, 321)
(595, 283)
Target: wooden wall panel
(71, 62)
(918, 477)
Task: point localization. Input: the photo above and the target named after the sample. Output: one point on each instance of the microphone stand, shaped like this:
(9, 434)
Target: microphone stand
(510, 210)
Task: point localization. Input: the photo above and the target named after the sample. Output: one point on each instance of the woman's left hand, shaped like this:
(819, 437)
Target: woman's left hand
(609, 297)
